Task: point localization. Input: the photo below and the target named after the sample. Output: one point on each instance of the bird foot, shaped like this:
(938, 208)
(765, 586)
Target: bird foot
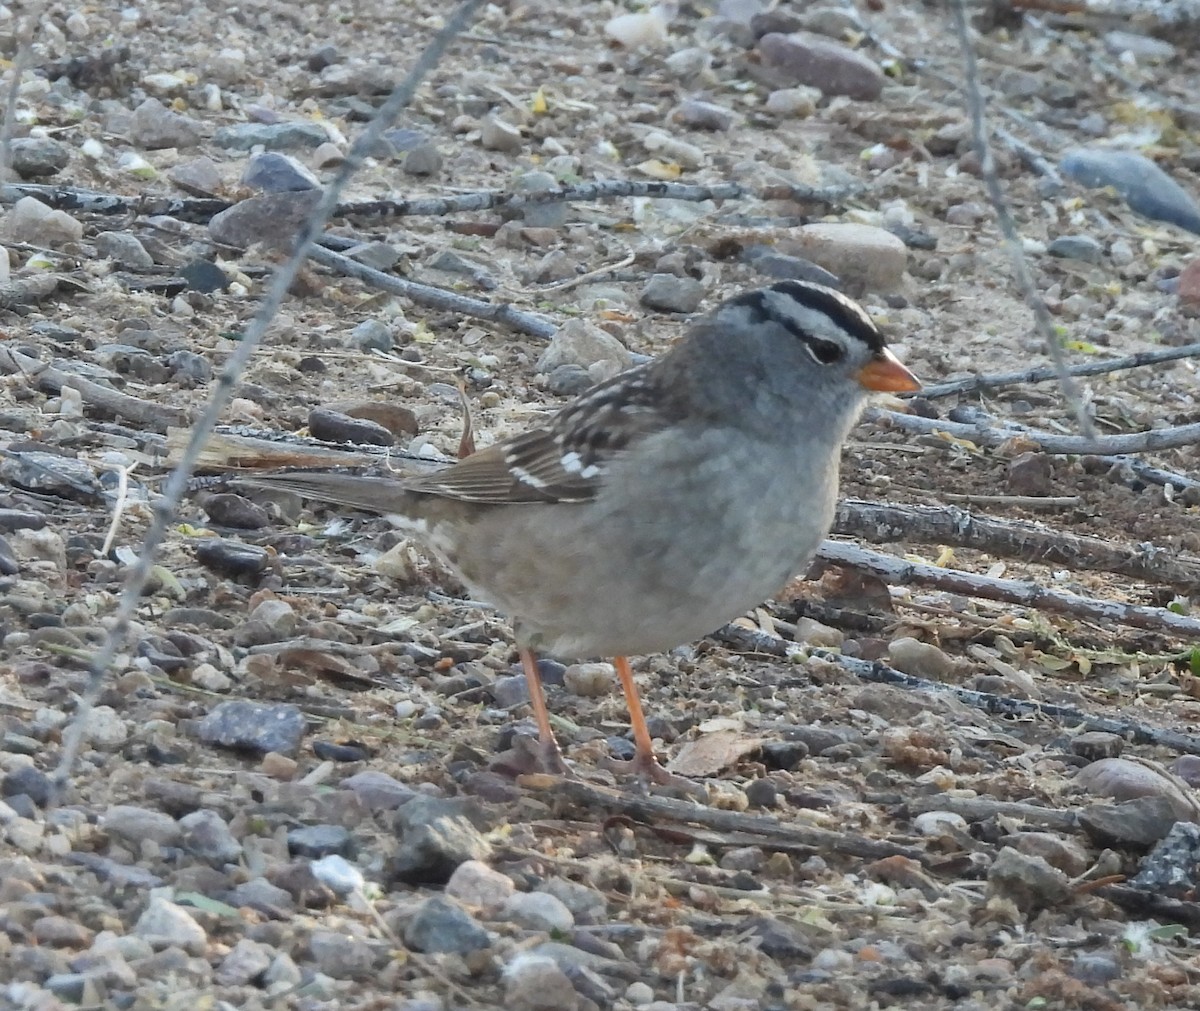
(647, 769)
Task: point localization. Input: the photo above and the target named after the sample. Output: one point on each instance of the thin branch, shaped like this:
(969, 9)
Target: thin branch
(281, 282)
(1152, 441)
(1044, 373)
(657, 808)
(987, 165)
(437, 298)
(745, 640)
(202, 210)
(885, 522)
(146, 413)
(899, 572)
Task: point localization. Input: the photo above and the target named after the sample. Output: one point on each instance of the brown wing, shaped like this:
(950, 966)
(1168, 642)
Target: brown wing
(564, 460)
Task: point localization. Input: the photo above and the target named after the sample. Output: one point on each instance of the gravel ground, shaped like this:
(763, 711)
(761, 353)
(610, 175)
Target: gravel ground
(301, 786)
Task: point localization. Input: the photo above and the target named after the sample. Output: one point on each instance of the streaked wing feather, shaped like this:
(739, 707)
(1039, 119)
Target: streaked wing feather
(564, 460)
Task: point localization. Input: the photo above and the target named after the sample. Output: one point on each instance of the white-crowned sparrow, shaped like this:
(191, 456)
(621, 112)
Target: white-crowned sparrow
(659, 504)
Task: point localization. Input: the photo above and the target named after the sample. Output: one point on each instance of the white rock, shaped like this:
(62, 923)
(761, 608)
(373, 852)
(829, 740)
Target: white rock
(30, 220)
(474, 883)
(646, 30)
(164, 924)
(861, 255)
(103, 728)
(590, 680)
(799, 102)
(936, 823)
(538, 911)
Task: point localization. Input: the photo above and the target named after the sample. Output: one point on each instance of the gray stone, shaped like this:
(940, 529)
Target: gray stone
(166, 925)
(316, 841)
(1136, 824)
(1095, 968)
(1076, 247)
(423, 160)
(341, 955)
(805, 58)
(586, 904)
(1144, 186)
(436, 836)
(260, 894)
(134, 824)
(579, 342)
(793, 268)
(371, 335)
(1028, 880)
(272, 172)
(442, 926)
(1066, 854)
(245, 963)
(538, 911)
(124, 250)
(272, 219)
(378, 791)
(497, 135)
(1173, 866)
(32, 221)
(552, 214)
(536, 983)
(700, 115)
(476, 884)
(569, 380)
(863, 256)
(271, 136)
(206, 834)
(670, 293)
(38, 157)
(255, 727)
(198, 176)
(154, 126)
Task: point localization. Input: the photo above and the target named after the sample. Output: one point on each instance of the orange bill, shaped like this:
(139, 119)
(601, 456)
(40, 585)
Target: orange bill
(885, 374)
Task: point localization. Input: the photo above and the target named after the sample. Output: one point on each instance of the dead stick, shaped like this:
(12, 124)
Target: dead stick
(649, 808)
(884, 522)
(982, 808)
(1045, 373)
(747, 640)
(1011, 591)
(143, 412)
(436, 298)
(1152, 441)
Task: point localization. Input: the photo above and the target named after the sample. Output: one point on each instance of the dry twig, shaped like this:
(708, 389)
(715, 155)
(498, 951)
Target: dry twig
(1043, 374)
(437, 298)
(899, 572)
(745, 640)
(652, 808)
(885, 522)
(142, 412)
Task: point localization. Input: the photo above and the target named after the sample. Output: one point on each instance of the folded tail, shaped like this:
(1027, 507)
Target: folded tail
(374, 494)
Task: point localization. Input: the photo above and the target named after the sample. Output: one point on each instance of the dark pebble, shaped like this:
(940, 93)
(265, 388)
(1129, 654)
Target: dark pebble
(231, 558)
(333, 426)
(29, 781)
(316, 841)
(228, 509)
(331, 752)
(204, 276)
(762, 793)
(254, 727)
(784, 755)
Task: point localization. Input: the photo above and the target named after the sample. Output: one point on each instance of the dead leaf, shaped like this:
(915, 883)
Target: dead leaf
(710, 754)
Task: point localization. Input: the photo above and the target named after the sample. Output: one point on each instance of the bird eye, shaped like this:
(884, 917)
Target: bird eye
(824, 352)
